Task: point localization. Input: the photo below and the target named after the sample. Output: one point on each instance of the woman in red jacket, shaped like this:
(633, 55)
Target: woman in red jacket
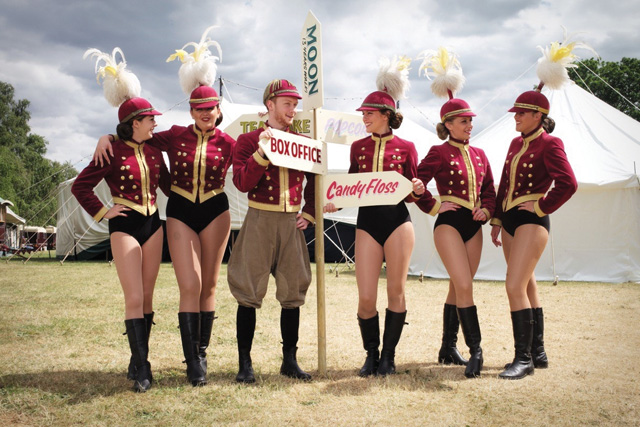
(534, 161)
(135, 229)
(383, 233)
(536, 180)
(467, 199)
(134, 224)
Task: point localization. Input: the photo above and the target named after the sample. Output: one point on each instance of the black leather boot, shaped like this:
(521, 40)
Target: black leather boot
(538, 354)
(245, 328)
(131, 372)
(472, 337)
(449, 353)
(522, 364)
(206, 324)
(289, 326)
(190, 335)
(139, 345)
(393, 324)
(370, 331)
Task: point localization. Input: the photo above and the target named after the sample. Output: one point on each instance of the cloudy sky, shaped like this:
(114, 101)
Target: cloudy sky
(42, 43)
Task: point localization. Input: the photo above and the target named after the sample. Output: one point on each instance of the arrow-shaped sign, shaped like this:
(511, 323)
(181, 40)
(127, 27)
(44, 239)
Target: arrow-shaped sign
(366, 189)
(295, 152)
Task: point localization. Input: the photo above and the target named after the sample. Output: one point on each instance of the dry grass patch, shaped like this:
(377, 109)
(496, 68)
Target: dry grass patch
(63, 358)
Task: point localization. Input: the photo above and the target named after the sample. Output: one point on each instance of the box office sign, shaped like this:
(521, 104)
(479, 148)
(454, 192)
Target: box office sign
(295, 152)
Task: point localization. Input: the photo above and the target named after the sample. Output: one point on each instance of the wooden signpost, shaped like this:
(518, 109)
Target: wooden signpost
(313, 99)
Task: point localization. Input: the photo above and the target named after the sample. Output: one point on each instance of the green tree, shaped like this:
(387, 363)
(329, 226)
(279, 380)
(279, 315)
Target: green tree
(624, 76)
(27, 178)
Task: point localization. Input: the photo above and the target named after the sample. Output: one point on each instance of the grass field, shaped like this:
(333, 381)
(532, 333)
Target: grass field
(63, 358)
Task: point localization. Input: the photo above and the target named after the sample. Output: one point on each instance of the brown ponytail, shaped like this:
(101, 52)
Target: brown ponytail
(395, 118)
(548, 124)
(442, 131)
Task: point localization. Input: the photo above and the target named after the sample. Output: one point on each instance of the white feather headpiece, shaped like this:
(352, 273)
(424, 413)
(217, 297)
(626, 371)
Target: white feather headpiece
(556, 59)
(393, 76)
(445, 71)
(198, 67)
(119, 84)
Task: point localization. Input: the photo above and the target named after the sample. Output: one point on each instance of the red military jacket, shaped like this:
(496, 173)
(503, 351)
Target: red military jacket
(379, 153)
(533, 162)
(198, 161)
(462, 174)
(133, 177)
(270, 187)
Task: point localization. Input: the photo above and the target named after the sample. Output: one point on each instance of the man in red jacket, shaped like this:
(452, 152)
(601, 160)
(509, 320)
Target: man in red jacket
(271, 240)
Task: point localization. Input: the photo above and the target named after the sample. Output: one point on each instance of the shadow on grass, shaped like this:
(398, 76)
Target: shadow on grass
(409, 376)
(82, 386)
(73, 386)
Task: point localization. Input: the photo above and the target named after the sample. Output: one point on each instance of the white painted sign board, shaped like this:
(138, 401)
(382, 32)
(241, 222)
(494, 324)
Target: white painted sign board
(292, 151)
(366, 189)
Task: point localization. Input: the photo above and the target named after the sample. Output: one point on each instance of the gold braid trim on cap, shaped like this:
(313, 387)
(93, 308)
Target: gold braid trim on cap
(203, 100)
(531, 107)
(455, 113)
(135, 113)
(379, 106)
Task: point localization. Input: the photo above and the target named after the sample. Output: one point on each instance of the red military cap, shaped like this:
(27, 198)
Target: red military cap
(280, 88)
(136, 107)
(204, 97)
(378, 100)
(455, 107)
(531, 100)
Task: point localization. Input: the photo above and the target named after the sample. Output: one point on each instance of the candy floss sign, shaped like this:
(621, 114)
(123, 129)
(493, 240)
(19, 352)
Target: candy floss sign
(366, 189)
(295, 152)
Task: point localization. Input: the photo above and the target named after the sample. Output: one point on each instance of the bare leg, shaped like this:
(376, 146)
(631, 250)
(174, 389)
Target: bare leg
(128, 257)
(532, 292)
(524, 251)
(151, 258)
(186, 254)
(213, 242)
(460, 259)
(369, 256)
(397, 250)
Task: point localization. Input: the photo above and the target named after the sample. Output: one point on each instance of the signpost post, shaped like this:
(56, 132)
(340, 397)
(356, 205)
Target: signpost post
(313, 99)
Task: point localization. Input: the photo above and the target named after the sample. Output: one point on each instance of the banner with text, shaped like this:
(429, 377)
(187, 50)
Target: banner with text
(333, 126)
(295, 152)
(302, 124)
(366, 189)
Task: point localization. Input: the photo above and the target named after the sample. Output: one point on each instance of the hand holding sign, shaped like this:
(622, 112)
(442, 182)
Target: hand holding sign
(294, 151)
(366, 189)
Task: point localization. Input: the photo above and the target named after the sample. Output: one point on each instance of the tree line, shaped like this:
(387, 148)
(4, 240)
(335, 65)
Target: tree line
(27, 178)
(624, 76)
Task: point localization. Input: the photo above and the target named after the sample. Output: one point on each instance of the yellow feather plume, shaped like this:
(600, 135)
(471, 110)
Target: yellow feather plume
(556, 59)
(443, 68)
(198, 67)
(118, 83)
(393, 76)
